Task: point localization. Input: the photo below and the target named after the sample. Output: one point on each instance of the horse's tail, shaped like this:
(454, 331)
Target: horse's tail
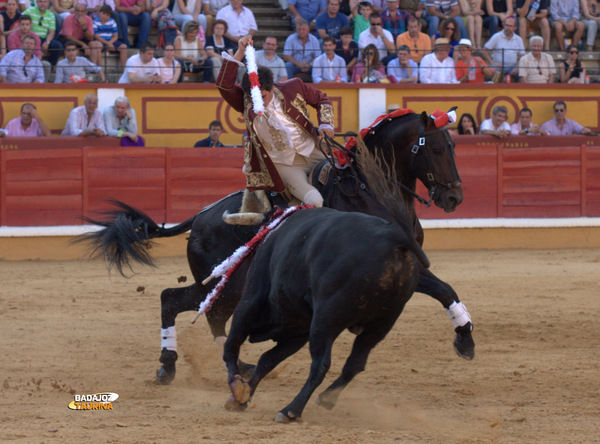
(126, 236)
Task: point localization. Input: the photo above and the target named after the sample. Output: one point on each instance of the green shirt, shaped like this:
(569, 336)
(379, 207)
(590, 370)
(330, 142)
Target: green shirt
(41, 25)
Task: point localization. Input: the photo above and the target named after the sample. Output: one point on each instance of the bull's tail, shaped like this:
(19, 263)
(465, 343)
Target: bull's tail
(126, 236)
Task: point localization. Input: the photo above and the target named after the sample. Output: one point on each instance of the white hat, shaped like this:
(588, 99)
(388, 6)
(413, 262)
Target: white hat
(465, 42)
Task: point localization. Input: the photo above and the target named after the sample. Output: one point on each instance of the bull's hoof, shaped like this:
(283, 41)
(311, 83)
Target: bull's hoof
(166, 374)
(241, 390)
(246, 370)
(326, 400)
(232, 405)
(282, 418)
(463, 342)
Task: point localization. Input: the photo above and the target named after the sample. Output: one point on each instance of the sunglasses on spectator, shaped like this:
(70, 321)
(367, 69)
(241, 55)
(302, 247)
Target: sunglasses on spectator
(376, 24)
(450, 28)
(573, 52)
(559, 110)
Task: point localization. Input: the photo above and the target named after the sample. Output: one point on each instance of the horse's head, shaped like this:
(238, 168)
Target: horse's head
(433, 163)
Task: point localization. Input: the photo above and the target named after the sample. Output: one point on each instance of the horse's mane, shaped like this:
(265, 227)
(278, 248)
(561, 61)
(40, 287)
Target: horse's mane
(384, 186)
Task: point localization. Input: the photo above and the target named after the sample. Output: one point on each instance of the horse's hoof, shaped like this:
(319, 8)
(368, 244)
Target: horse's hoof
(324, 400)
(463, 342)
(246, 370)
(282, 418)
(232, 405)
(165, 376)
(241, 390)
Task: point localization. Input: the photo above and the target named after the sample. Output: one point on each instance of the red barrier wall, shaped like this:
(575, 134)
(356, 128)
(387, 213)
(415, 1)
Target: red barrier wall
(45, 186)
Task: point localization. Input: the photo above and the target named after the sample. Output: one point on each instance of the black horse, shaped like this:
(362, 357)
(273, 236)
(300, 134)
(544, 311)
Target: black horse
(412, 144)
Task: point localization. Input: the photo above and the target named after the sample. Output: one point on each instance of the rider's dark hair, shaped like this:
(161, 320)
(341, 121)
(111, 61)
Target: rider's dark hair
(265, 79)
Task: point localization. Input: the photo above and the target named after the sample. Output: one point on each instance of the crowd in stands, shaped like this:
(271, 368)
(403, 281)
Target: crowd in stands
(344, 41)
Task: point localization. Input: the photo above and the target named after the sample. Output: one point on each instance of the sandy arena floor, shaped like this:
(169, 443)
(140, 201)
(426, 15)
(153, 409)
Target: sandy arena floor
(71, 328)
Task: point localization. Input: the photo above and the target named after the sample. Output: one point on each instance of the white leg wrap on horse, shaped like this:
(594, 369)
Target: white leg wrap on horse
(313, 197)
(458, 314)
(168, 338)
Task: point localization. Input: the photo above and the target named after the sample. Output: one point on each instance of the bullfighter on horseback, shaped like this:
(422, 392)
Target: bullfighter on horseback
(282, 143)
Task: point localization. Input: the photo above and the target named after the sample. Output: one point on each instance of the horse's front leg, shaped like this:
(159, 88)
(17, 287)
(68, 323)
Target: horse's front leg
(173, 301)
(431, 285)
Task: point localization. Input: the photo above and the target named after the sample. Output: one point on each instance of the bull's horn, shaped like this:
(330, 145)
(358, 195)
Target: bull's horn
(243, 218)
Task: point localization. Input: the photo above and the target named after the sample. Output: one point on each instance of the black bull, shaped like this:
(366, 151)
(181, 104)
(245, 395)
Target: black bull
(412, 144)
(321, 272)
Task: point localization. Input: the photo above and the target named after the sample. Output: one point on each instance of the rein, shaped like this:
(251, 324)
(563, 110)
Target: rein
(346, 154)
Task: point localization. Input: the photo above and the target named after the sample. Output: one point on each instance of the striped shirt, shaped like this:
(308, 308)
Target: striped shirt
(105, 30)
(443, 6)
(41, 24)
(13, 67)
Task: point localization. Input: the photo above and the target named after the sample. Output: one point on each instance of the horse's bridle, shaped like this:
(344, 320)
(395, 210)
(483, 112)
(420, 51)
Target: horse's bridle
(433, 179)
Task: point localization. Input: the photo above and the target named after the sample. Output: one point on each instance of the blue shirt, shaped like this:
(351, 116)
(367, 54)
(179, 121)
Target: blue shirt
(105, 30)
(328, 70)
(308, 9)
(394, 69)
(331, 26)
(80, 67)
(302, 53)
(15, 70)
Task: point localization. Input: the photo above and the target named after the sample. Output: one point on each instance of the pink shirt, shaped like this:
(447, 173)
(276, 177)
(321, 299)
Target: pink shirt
(71, 27)
(15, 129)
(128, 3)
(15, 41)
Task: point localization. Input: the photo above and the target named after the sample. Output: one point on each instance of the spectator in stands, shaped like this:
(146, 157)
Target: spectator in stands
(10, 18)
(496, 12)
(330, 22)
(218, 43)
(472, 14)
(119, 121)
(79, 28)
(416, 9)
(536, 66)
(300, 49)
(418, 42)
(496, 125)
(369, 69)
(438, 10)
(394, 19)
(538, 20)
(190, 52)
(306, 10)
(507, 48)
(240, 20)
(466, 126)
(376, 35)
(15, 39)
(402, 68)
(438, 67)
(347, 48)
(212, 141)
(524, 127)
(571, 70)
(64, 7)
(44, 25)
(142, 67)
(329, 67)
(560, 125)
(106, 32)
(133, 13)
(21, 66)
(169, 67)
(448, 29)
(73, 69)
(470, 68)
(210, 8)
(564, 17)
(590, 11)
(93, 10)
(189, 10)
(85, 120)
(30, 124)
(361, 18)
(267, 57)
